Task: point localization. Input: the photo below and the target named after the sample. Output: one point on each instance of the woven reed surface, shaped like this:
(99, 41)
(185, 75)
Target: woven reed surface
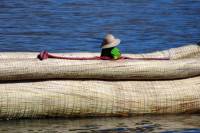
(20, 69)
(184, 63)
(74, 97)
(70, 98)
(187, 51)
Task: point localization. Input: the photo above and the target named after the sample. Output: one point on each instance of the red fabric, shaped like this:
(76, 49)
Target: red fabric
(129, 58)
(45, 55)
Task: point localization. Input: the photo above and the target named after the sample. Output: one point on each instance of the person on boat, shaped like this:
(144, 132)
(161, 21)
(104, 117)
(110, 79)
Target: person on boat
(109, 49)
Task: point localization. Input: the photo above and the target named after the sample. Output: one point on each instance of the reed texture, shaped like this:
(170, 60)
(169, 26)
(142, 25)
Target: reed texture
(71, 88)
(70, 98)
(26, 68)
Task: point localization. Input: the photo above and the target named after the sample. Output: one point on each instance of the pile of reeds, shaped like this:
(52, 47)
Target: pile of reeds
(31, 88)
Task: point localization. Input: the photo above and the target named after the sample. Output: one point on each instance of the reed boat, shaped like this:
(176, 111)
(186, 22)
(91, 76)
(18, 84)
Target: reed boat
(31, 88)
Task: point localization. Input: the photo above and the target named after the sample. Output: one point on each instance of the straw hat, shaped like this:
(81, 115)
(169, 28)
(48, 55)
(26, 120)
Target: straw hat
(110, 41)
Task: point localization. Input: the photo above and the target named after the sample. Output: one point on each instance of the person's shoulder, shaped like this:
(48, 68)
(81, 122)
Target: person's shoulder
(115, 51)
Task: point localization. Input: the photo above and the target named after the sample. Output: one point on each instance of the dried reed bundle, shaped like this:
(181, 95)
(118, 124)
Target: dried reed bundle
(23, 69)
(70, 98)
(91, 97)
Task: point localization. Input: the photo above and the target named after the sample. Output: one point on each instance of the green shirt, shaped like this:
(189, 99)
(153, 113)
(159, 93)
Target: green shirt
(113, 52)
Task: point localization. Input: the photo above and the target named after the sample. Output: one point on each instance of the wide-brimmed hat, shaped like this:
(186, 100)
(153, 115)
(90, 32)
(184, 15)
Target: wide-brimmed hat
(110, 41)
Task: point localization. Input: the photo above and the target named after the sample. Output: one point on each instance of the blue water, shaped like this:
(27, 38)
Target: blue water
(142, 124)
(79, 26)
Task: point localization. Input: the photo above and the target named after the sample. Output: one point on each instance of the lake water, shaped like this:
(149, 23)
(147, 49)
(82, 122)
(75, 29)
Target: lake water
(79, 26)
(142, 124)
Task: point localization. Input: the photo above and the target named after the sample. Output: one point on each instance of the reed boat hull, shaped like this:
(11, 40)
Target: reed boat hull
(184, 63)
(30, 88)
(82, 98)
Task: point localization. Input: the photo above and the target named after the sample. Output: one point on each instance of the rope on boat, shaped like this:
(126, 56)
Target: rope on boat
(45, 55)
